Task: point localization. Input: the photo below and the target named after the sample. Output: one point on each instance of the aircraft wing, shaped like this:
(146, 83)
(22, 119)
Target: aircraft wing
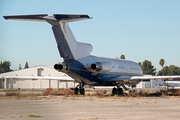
(145, 77)
(149, 77)
(63, 79)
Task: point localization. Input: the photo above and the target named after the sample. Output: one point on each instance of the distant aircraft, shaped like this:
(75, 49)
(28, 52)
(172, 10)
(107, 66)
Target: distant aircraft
(83, 67)
(168, 84)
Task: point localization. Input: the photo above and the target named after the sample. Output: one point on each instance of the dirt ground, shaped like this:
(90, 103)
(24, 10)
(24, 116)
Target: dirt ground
(91, 108)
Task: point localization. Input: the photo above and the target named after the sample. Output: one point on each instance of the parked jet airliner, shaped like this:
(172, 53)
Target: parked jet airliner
(168, 84)
(83, 67)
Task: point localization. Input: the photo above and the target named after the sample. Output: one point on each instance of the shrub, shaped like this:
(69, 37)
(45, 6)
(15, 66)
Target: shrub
(11, 93)
(133, 94)
(58, 92)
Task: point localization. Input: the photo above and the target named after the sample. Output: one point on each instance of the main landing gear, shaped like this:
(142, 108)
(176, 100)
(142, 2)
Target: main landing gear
(118, 90)
(79, 89)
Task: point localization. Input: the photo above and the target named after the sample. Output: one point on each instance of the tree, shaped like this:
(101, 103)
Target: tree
(147, 68)
(174, 70)
(5, 66)
(26, 65)
(122, 56)
(161, 62)
(20, 67)
(170, 70)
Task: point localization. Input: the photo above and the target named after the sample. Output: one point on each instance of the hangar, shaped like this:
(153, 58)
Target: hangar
(12, 83)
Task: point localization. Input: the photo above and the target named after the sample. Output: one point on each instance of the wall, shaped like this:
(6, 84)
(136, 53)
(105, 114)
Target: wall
(35, 84)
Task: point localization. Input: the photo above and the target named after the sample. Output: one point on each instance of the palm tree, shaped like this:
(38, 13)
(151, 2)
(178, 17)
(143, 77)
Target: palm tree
(26, 65)
(20, 67)
(161, 62)
(122, 56)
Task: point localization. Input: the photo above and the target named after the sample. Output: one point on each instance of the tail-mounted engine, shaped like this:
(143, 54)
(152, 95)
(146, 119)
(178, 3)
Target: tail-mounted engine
(101, 66)
(61, 67)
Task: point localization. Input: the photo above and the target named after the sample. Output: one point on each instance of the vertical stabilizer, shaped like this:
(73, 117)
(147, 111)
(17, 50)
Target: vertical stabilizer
(67, 45)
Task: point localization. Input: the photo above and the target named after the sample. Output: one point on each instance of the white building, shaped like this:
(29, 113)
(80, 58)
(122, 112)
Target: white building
(34, 84)
(148, 84)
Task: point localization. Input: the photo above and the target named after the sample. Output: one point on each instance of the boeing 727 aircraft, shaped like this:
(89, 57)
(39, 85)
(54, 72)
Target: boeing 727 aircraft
(83, 67)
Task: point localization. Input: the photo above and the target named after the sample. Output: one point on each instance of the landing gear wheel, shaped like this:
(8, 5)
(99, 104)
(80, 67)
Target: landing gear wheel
(82, 91)
(114, 91)
(130, 91)
(76, 90)
(119, 91)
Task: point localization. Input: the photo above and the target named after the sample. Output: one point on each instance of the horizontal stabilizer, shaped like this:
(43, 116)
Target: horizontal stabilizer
(44, 17)
(27, 17)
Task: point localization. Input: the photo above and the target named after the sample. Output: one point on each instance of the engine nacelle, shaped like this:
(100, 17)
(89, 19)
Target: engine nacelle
(61, 67)
(102, 66)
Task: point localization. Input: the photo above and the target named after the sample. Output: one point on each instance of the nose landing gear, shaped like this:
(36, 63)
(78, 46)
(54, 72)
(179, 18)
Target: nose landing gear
(132, 90)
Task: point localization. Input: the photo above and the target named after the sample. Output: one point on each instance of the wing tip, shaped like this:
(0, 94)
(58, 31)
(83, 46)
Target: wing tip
(35, 16)
(5, 17)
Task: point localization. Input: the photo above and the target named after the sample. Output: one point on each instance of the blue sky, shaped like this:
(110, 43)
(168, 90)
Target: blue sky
(141, 30)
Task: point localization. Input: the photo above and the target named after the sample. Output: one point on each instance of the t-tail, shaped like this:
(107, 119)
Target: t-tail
(67, 45)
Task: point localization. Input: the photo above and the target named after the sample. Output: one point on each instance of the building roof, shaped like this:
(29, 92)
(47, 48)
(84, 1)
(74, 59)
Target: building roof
(36, 71)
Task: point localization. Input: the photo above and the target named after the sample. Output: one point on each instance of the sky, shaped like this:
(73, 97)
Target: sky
(141, 30)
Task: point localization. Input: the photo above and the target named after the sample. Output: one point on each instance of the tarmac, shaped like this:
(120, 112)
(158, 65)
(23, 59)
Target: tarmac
(90, 108)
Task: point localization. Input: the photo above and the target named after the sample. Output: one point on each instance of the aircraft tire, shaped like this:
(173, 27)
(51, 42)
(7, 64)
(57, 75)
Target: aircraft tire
(132, 91)
(114, 91)
(120, 91)
(76, 90)
(82, 91)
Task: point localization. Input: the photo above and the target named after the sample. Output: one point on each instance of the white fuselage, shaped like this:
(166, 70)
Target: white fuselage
(170, 84)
